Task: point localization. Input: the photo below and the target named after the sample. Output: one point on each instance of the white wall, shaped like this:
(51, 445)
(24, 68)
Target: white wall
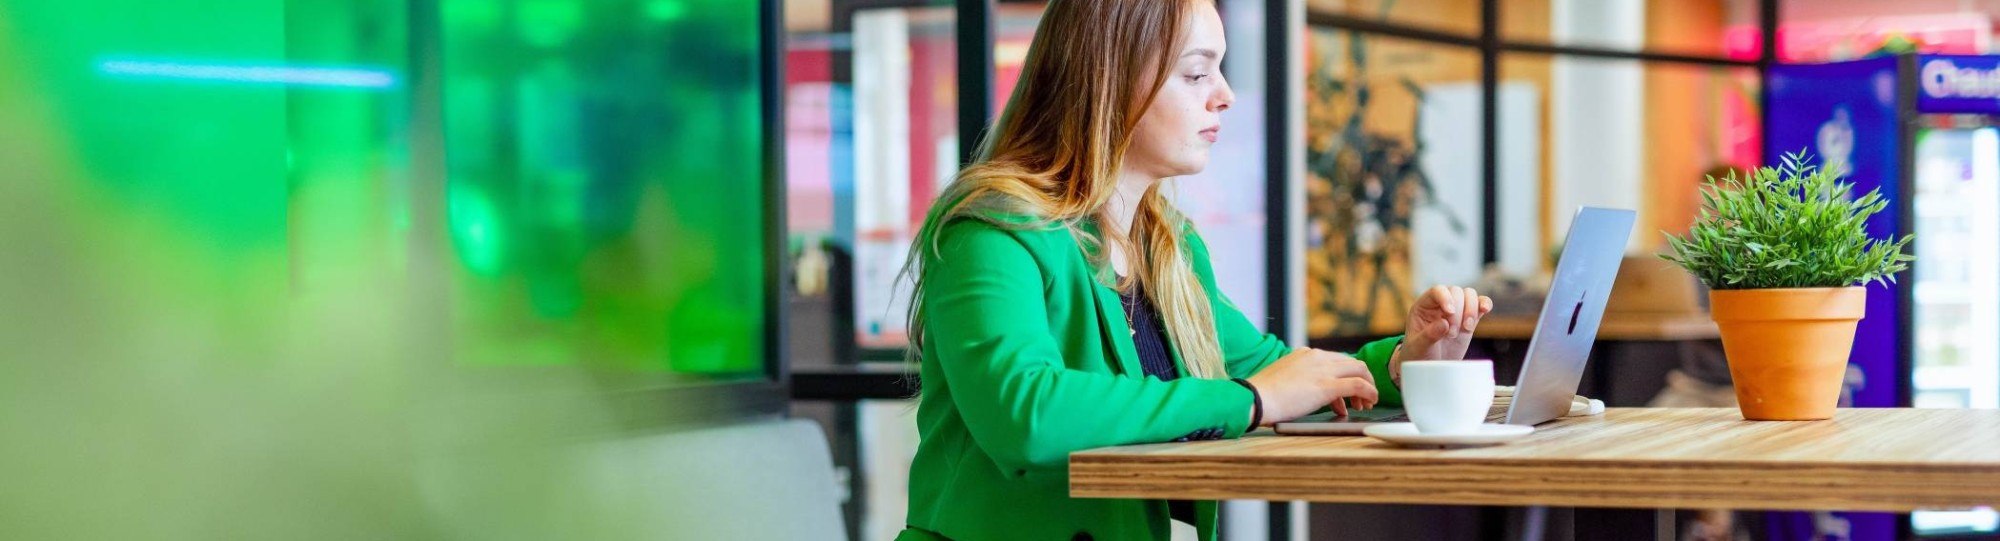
(1448, 232)
(1597, 110)
(1520, 163)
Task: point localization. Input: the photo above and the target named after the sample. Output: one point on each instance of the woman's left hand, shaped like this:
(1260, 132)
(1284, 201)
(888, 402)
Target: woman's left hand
(1441, 324)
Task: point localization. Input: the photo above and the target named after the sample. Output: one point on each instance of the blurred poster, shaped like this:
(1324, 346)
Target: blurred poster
(1845, 116)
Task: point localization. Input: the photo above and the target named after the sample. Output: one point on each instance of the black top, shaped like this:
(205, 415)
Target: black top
(1149, 336)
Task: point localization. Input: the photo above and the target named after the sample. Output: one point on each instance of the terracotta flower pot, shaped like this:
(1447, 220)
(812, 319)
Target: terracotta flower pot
(1788, 348)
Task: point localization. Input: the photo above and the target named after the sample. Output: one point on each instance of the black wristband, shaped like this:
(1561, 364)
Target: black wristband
(1256, 403)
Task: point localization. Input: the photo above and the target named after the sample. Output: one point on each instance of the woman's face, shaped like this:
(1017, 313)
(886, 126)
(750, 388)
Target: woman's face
(1174, 135)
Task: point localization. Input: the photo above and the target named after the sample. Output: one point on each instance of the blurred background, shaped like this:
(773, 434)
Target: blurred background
(625, 268)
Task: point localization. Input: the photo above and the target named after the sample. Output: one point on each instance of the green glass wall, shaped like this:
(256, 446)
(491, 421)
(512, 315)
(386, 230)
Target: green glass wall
(601, 199)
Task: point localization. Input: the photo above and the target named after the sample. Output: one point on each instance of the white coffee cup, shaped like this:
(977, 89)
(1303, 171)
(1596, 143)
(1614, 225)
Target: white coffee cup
(1447, 397)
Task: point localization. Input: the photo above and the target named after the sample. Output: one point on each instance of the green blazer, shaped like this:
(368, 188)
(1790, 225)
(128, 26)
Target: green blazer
(1027, 357)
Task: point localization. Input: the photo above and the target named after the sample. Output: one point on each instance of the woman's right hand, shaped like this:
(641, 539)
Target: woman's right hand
(1307, 379)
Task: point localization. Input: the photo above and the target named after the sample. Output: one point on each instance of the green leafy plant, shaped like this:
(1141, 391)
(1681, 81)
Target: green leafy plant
(1794, 226)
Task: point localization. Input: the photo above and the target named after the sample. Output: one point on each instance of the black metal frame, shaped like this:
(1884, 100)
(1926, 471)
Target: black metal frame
(771, 84)
(1381, 28)
(1277, 166)
(1768, 27)
(1907, 118)
(878, 381)
(1278, 300)
(1643, 56)
(1489, 129)
(975, 86)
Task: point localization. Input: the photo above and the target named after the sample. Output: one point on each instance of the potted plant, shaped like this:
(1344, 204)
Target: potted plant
(1787, 258)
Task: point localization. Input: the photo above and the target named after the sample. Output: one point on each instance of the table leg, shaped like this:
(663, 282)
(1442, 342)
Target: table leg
(1535, 524)
(1663, 525)
(1599, 523)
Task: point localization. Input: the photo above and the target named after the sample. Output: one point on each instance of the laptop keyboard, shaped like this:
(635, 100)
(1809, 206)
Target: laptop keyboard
(1498, 413)
(1405, 417)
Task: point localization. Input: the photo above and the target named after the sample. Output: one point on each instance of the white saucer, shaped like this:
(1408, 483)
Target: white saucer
(1406, 434)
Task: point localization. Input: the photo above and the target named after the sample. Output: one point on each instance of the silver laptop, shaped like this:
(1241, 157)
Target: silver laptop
(1563, 334)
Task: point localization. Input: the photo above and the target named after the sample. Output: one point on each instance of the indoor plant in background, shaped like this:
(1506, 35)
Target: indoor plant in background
(1787, 257)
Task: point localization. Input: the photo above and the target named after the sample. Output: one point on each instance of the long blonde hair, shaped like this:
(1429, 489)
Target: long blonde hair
(1055, 152)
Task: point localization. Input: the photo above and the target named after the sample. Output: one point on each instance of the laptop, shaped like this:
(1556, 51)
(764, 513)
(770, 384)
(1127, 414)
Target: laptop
(1562, 339)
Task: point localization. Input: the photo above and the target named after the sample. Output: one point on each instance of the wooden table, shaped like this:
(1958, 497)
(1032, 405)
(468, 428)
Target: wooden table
(1661, 458)
(1625, 326)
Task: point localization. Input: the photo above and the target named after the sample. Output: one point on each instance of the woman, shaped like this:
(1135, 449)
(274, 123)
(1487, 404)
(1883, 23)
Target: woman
(1061, 303)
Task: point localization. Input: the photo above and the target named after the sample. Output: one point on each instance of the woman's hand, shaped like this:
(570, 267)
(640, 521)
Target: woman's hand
(1306, 379)
(1440, 325)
